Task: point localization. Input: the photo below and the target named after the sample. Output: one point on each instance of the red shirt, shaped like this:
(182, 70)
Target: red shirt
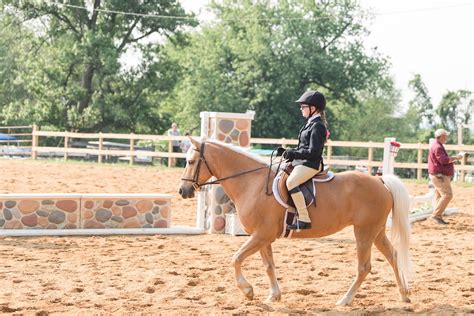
(438, 160)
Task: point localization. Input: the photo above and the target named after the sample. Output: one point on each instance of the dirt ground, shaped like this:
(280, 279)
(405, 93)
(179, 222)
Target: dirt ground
(192, 274)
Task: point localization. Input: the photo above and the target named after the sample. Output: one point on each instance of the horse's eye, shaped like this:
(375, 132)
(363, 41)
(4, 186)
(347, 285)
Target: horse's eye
(190, 162)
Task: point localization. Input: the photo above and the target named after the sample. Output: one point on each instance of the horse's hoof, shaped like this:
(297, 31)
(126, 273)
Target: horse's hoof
(406, 299)
(248, 292)
(273, 298)
(343, 302)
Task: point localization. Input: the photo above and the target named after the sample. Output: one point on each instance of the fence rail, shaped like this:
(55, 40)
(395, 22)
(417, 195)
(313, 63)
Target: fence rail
(98, 146)
(370, 163)
(16, 140)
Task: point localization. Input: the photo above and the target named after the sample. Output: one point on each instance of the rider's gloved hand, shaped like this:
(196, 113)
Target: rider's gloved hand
(280, 151)
(289, 154)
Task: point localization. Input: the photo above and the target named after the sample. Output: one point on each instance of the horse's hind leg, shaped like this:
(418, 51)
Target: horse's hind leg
(364, 241)
(383, 244)
(251, 246)
(267, 257)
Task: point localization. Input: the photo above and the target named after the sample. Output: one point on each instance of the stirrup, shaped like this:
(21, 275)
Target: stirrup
(299, 226)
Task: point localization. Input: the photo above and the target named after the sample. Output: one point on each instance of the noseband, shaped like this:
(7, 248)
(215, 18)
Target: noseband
(195, 179)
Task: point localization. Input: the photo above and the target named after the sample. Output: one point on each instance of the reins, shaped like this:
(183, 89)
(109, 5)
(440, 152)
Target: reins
(198, 185)
(269, 192)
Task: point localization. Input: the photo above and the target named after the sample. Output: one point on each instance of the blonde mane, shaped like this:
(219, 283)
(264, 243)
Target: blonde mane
(239, 150)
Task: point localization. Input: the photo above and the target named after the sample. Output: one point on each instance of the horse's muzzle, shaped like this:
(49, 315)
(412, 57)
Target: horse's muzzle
(186, 192)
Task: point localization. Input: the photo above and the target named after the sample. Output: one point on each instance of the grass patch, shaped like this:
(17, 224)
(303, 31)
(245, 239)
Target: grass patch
(453, 183)
(416, 181)
(464, 184)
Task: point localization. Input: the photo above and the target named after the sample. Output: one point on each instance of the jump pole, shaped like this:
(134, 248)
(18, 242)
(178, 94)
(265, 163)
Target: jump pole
(178, 230)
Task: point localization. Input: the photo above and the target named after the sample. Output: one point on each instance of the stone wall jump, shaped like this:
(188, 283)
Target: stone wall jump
(73, 211)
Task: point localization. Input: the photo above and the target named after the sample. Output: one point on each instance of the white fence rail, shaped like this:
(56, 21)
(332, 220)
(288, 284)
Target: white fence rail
(100, 146)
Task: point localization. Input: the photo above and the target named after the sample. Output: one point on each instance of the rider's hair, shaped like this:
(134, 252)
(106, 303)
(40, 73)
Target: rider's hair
(323, 117)
(321, 112)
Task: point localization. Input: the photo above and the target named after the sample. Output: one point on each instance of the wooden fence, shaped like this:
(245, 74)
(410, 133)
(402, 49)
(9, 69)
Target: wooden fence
(99, 146)
(16, 140)
(370, 163)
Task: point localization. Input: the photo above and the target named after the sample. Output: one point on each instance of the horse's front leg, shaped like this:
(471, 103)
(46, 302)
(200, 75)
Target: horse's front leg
(267, 257)
(251, 246)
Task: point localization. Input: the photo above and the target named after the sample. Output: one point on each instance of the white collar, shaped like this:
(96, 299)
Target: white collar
(313, 117)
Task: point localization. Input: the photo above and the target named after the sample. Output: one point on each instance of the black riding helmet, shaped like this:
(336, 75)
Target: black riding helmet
(313, 98)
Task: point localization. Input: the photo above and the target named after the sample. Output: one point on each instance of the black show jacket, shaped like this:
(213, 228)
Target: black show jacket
(311, 141)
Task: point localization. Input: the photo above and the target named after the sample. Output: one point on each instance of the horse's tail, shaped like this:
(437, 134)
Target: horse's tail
(400, 225)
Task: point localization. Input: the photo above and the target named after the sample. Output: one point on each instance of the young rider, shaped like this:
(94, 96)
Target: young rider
(307, 156)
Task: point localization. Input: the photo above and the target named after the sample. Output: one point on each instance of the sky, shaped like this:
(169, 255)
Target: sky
(433, 38)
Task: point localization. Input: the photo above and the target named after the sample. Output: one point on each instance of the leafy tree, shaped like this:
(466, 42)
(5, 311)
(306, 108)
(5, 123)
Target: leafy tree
(262, 55)
(455, 108)
(13, 41)
(75, 77)
(421, 103)
(455, 111)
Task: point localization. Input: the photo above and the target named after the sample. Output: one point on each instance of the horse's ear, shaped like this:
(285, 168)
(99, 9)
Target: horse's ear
(195, 142)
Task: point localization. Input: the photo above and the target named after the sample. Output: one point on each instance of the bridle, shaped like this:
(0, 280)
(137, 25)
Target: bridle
(195, 179)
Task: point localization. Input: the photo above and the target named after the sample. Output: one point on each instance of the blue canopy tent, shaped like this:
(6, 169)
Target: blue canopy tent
(6, 137)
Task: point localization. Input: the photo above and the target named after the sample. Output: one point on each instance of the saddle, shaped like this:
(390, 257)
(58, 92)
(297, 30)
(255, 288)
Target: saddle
(308, 188)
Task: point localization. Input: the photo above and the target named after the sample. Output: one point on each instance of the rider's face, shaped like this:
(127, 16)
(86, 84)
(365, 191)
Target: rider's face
(305, 110)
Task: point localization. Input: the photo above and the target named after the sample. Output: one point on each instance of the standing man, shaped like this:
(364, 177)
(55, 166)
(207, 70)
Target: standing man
(441, 170)
(174, 131)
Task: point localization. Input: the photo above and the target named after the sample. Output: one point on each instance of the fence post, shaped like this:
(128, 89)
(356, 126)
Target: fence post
(99, 155)
(370, 158)
(170, 151)
(463, 172)
(66, 145)
(419, 171)
(132, 149)
(388, 159)
(34, 142)
(8, 140)
(329, 153)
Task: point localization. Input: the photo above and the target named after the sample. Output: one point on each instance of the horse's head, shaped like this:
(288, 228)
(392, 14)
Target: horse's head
(196, 171)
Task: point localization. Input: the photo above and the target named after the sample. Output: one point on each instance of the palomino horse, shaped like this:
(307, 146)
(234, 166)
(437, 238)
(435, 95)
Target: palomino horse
(352, 198)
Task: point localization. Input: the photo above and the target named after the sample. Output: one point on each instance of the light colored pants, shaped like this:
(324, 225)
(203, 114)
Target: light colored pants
(443, 193)
(300, 175)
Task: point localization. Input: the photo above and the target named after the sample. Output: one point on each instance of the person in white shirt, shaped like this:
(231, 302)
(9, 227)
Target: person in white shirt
(174, 131)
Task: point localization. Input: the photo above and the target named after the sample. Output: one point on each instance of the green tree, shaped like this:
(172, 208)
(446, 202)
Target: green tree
(421, 103)
(262, 55)
(13, 40)
(76, 79)
(455, 111)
